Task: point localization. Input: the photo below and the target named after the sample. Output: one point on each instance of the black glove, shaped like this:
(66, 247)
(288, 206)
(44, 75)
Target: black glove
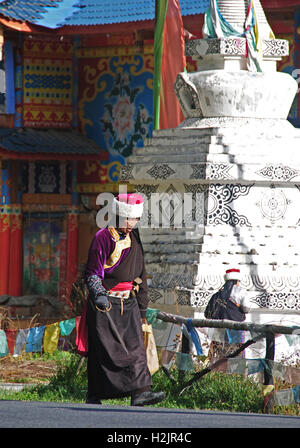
(101, 302)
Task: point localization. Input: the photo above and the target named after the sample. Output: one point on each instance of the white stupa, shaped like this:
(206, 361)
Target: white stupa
(238, 156)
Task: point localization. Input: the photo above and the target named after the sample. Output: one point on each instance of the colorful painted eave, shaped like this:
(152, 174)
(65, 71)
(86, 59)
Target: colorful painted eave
(57, 14)
(47, 144)
(23, 26)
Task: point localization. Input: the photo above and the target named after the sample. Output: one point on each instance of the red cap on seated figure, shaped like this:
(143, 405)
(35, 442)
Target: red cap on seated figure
(233, 274)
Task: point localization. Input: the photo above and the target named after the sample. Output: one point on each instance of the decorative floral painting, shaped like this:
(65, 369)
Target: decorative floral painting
(125, 122)
(116, 101)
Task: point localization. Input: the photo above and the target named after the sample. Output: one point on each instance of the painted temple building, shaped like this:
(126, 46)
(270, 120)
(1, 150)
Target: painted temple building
(76, 99)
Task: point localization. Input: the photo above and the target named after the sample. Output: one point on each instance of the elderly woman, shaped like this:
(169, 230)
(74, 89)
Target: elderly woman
(116, 279)
(228, 303)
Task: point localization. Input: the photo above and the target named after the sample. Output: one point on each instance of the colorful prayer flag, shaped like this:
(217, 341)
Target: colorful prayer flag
(235, 336)
(67, 326)
(20, 341)
(184, 362)
(51, 337)
(3, 344)
(195, 337)
(11, 336)
(35, 339)
(169, 60)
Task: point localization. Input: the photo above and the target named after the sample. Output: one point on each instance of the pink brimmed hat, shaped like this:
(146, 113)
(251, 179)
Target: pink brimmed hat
(233, 274)
(129, 205)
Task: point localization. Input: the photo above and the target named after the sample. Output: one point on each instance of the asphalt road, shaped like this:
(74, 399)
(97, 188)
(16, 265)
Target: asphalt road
(21, 414)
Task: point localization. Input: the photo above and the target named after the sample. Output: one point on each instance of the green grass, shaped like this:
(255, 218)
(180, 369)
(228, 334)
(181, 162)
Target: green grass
(215, 391)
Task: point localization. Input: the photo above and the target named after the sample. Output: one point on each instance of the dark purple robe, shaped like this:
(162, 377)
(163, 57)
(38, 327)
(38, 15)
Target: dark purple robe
(111, 371)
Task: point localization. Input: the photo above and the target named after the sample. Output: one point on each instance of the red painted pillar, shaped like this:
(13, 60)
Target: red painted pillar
(5, 201)
(15, 261)
(4, 248)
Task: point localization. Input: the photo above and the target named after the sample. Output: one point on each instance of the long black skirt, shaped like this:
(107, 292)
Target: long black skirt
(112, 372)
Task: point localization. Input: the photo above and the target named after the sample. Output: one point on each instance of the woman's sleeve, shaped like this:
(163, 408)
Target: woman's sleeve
(95, 286)
(245, 304)
(94, 273)
(142, 295)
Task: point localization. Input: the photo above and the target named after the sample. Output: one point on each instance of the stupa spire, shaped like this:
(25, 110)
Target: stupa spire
(239, 18)
(235, 12)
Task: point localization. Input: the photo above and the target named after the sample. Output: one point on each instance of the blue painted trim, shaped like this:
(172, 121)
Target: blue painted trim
(9, 77)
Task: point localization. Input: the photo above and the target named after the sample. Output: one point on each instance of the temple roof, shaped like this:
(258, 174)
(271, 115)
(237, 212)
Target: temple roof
(25, 143)
(59, 13)
(32, 11)
(68, 13)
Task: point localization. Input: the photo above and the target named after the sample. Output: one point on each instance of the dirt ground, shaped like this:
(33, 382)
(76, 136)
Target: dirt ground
(26, 368)
(22, 369)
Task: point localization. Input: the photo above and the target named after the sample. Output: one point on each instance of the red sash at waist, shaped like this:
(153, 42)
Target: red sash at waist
(122, 286)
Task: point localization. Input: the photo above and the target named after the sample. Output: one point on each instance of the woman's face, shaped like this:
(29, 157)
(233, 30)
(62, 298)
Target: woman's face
(127, 224)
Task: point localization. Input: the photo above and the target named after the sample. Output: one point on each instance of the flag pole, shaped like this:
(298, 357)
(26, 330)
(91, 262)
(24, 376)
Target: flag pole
(160, 15)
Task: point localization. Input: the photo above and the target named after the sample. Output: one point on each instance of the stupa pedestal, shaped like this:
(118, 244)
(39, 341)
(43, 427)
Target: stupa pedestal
(238, 157)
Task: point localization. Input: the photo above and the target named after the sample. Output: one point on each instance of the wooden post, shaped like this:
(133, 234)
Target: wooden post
(270, 354)
(185, 349)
